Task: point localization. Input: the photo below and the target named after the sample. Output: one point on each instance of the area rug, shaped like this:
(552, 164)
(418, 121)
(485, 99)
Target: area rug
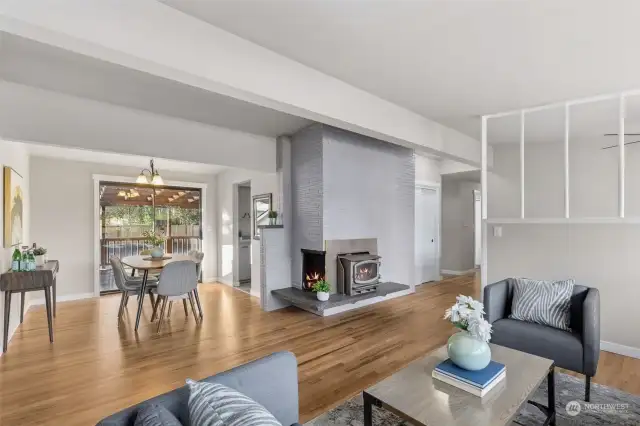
(611, 407)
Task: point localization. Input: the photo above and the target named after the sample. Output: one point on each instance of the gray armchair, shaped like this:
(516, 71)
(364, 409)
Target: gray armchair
(578, 350)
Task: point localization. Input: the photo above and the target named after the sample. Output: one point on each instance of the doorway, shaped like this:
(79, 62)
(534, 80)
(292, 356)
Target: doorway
(243, 236)
(427, 230)
(127, 212)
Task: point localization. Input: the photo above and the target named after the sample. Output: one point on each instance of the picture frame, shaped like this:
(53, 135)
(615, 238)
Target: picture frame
(14, 206)
(260, 206)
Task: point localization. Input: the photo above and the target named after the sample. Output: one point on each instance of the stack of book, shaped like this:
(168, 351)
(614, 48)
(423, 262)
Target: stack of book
(477, 382)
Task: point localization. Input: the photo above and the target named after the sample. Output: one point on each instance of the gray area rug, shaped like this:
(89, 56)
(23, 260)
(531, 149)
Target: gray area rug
(624, 408)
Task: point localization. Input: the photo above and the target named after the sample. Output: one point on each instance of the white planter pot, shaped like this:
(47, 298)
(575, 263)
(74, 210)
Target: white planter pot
(40, 260)
(322, 296)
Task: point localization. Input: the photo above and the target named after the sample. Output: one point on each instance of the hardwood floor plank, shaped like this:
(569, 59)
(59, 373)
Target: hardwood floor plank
(96, 367)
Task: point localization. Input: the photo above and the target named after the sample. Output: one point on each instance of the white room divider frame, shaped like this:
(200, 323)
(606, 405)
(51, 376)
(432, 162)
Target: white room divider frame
(567, 219)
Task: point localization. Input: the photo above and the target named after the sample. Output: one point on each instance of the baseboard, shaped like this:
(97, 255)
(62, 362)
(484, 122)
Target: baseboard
(616, 348)
(224, 281)
(255, 293)
(65, 298)
(450, 272)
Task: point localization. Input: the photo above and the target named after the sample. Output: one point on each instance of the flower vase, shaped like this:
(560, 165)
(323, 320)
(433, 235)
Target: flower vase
(468, 352)
(157, 252)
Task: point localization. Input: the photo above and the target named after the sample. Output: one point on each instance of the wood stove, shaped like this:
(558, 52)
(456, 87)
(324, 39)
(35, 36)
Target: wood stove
(358, 273)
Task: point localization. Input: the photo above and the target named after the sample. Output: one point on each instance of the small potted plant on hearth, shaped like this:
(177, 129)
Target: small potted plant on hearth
(322, 289)
(273, 216)
(156, 241)
(40, 254)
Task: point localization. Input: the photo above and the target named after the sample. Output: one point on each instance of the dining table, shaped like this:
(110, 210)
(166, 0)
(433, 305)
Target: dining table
(146, 263)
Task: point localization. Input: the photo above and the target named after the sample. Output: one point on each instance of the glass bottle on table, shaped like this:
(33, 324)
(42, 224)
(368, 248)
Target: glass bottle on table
(32, 261)
(24, 262)
(15, 260)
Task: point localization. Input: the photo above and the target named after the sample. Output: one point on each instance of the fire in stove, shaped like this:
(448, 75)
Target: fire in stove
(364, 274)
(313, 278)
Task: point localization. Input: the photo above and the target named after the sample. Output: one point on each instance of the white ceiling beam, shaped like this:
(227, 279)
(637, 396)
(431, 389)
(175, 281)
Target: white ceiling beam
(152, 37)
(35, 115)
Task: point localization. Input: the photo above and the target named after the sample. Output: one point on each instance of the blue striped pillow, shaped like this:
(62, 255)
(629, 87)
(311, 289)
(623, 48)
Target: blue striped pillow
(212, 404)
(542, 302)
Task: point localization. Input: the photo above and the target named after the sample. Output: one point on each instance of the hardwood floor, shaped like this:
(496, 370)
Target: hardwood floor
(95, 368)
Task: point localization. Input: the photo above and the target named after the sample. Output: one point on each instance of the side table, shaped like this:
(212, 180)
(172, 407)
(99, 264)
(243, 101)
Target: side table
(43, 278)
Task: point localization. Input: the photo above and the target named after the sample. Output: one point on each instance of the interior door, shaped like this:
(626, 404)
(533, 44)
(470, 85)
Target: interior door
(426, 235)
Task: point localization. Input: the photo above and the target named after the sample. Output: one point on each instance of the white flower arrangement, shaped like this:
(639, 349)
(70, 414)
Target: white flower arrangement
(467, 314)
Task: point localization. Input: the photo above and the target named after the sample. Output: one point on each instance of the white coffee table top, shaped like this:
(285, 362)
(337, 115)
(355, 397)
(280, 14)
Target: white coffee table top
(414, 395)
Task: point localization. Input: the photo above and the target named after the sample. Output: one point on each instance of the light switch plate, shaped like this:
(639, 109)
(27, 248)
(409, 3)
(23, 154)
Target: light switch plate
(497, 231)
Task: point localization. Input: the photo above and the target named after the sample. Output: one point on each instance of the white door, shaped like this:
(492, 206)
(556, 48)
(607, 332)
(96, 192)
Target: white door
(426, 235)
(477, 227)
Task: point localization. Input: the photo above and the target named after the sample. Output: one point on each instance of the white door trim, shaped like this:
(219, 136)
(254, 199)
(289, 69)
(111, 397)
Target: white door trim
(434, 186)
(97, 178)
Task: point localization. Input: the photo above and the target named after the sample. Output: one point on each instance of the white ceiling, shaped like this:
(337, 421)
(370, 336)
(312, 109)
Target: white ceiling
(34, 64)
(137, 161)
(449, 60)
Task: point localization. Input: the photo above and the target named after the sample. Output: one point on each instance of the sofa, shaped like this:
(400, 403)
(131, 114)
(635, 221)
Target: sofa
(271, 381)
(578, 350)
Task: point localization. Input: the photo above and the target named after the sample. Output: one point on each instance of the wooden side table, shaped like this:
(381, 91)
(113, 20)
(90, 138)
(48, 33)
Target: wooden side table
(43, 278)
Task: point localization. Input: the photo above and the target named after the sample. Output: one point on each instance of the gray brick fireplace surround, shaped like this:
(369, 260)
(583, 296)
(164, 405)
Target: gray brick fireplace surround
(347, 186)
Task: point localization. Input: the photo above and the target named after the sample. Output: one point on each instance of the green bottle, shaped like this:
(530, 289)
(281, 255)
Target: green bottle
(15, 260)
(24, 262)
(32, 261)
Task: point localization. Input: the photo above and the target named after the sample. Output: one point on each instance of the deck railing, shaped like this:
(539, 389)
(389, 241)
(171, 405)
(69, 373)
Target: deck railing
(132, 246)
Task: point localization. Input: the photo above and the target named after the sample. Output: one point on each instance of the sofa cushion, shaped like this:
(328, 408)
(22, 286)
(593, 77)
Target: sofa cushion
(213, 404)
(564, 347)
(155, 415)
(542, 302)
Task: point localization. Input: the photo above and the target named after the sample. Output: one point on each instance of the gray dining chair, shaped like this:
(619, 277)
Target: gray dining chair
(198, 256)
(177, 281)
(128, 284)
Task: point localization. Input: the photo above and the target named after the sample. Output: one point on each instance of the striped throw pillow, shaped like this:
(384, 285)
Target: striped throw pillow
(542, 302)
(212, 404)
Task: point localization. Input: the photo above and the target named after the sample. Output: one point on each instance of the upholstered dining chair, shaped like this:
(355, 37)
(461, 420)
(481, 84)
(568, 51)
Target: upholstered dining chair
(198, 256)
(177, 281)
(128, 284)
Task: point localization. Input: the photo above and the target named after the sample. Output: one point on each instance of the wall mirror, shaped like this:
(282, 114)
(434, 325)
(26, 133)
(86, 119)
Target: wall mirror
(261, 208)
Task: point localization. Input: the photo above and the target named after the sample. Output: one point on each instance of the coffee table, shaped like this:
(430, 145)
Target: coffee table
(414, 395)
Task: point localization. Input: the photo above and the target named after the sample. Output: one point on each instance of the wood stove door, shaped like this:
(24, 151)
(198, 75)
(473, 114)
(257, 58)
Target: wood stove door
(365, 272)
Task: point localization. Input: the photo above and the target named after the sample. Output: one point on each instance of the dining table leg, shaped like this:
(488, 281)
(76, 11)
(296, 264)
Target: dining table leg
(143, 287)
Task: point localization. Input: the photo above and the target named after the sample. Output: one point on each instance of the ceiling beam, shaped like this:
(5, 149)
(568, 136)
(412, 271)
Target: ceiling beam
(201, 55)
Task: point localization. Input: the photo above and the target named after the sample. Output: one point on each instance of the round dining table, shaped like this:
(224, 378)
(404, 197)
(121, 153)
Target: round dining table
(145, 263)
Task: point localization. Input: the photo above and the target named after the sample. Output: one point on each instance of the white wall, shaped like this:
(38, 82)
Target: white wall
(602, 256)
(62, 217)
(428, 169)
(14, 155)
(261, 183)
(457, 225)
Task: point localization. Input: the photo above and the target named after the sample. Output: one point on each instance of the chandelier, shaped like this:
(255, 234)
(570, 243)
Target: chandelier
(150, 176)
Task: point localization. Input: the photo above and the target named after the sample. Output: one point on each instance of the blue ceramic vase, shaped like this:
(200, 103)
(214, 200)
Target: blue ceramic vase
(468, 352)
(157, 252)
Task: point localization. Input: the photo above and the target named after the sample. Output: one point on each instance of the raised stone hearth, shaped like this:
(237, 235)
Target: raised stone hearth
(339, 302)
